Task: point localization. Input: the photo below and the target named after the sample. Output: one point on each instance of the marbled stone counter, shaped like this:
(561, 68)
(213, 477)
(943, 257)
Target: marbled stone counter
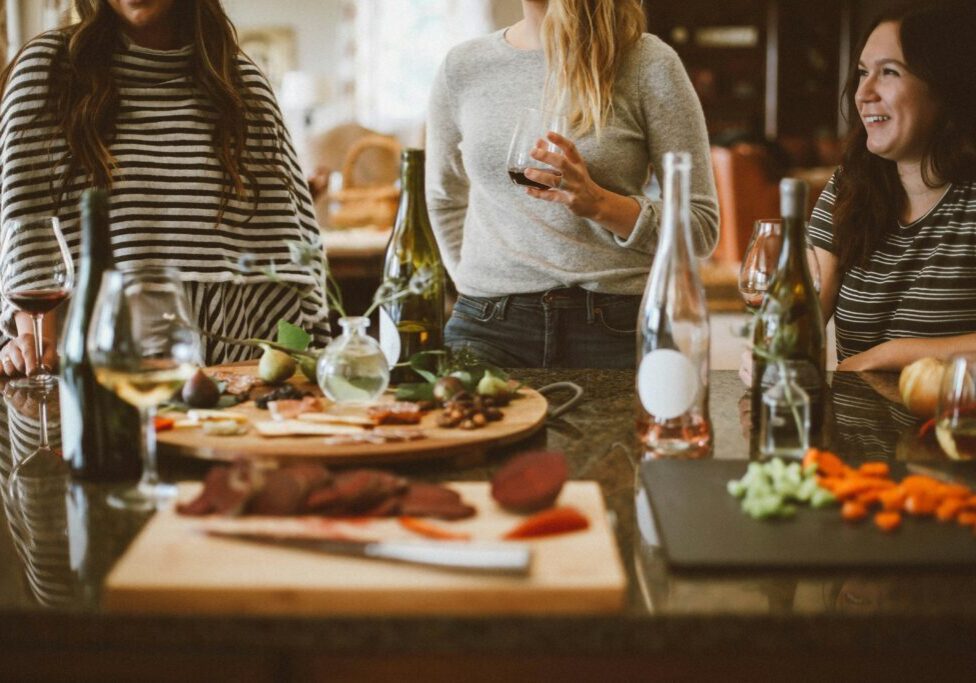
(58, 540)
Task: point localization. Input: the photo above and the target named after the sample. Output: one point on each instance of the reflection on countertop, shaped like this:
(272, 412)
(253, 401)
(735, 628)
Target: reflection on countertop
(64, 539)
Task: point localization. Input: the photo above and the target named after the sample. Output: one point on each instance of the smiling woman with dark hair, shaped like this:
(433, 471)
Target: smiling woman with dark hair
(153, 100)
(895, 229)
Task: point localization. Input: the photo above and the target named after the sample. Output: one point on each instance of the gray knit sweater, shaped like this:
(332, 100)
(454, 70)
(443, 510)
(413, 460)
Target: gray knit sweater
(494, 238)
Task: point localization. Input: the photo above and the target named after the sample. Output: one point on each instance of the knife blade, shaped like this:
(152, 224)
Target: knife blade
(492, 558)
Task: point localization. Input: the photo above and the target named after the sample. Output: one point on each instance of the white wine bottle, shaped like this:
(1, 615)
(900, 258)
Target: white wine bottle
(673, 333)
(788, 335)
(414, 322)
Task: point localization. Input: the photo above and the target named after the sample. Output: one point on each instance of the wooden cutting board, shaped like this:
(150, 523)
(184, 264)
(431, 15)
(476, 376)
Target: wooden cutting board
(522, 417)
(701, 527)
(172, 567)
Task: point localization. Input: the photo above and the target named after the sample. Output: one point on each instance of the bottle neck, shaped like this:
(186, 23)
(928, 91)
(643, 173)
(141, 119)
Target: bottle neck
(412, 210)
(96, 242)
(676, 214)
(793, 257)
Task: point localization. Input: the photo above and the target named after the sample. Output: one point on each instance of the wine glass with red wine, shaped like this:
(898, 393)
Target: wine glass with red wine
(36, 274)
(533, 125)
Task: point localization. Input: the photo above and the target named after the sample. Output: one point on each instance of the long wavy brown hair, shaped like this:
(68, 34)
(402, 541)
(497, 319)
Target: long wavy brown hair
(84, 99)
(937, 42)
(584, 42)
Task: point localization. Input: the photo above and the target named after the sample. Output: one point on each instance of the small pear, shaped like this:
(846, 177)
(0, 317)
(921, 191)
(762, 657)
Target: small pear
(275, 366)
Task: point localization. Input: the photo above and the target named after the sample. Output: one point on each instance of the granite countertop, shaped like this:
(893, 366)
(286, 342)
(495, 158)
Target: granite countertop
(58, 540)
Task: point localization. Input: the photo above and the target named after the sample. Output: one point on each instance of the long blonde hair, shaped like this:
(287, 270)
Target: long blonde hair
(584, 42)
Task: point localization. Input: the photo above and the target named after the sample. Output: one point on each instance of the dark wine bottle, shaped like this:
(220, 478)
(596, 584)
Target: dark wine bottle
(414, 322)
(99, 431)
(789, 330)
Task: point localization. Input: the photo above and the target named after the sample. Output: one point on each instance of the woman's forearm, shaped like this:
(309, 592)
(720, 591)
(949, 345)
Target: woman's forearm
(897, 353)
(616, 212)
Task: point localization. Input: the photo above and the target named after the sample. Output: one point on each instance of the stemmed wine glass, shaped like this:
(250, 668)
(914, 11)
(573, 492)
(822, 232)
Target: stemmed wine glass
(143, 347)
(36, 274)
(761, 258)
(955, 427)
(533, 125)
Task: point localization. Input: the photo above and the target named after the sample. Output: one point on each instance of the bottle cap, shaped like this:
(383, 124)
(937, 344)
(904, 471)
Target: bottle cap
(792, 198)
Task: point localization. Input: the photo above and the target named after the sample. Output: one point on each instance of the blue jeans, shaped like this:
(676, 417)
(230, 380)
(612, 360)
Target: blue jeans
(568, 327)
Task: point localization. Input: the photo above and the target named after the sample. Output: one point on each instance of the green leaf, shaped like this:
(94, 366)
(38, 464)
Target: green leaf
(292, 336)
(415, 391)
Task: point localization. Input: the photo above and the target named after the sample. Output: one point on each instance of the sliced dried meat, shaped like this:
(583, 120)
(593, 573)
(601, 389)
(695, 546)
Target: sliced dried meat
(398, 412)
(431, 500)
(285, 489)
(226, 490)
(354, 492)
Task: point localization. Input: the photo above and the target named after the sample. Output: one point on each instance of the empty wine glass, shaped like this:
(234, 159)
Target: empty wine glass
(143, 347)
(36, 274)
(533, 125)
(955, 427)
(761, 258)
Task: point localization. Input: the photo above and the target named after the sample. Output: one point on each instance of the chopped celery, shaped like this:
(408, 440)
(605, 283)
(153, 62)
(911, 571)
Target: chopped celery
(769, 490)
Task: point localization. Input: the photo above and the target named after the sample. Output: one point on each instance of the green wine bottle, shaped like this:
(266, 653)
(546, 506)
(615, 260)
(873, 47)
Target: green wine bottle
(99, 431)
(414, 322)
(789, 329)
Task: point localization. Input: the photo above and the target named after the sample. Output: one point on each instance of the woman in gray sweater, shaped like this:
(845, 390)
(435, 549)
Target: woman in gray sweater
(553, 277)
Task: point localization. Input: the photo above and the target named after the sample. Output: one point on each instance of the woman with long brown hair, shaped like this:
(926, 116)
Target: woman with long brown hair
(553, 276)
(153, 100)
(895, 229)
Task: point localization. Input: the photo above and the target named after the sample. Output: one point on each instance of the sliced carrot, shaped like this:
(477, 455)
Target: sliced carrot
(431, 530)
(853, 511)
(948, 509)
(874, 469)
(887, 521)
(830, 465)
(163, 423)
(810, 457)
(893, 499)
(852, 486)
(559, 520)
(869, 498)
(921, 503)
(966, 518)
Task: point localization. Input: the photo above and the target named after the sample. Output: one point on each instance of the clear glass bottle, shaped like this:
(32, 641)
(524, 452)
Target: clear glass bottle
(673, 333)
(353, 369)
(784, 420)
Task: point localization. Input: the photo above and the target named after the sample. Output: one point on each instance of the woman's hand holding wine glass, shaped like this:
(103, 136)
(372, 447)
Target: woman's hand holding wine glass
(143, 347)
(36, 274)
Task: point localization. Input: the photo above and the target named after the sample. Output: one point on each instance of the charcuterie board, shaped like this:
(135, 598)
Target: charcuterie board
(522, 417)
(173, 567)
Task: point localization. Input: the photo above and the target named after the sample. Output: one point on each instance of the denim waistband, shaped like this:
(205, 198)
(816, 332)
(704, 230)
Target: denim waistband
(558, 297)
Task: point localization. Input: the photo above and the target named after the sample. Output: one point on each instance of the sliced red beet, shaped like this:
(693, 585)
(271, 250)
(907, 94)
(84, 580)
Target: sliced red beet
(530, 481)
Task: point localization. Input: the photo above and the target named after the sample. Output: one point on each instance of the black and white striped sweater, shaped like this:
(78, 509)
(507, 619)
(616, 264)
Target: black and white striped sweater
(166, 193)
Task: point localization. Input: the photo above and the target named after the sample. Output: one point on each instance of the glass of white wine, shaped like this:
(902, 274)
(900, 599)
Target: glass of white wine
(955, 426)
(143, 346)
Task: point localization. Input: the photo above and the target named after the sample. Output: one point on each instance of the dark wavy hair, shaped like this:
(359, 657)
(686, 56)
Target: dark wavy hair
(937, 40)
(84, 98)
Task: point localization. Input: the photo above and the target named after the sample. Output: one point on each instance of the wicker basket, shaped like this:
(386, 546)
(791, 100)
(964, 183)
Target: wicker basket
(367, 204)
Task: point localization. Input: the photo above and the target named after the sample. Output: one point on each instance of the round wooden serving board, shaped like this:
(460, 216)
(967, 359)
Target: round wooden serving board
(522, 417)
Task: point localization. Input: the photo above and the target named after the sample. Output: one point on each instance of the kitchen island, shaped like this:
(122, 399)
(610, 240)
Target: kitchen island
(58, 540)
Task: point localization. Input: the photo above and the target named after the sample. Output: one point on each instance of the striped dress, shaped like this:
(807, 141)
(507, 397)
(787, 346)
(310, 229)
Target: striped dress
(166, 192)
(919, 282)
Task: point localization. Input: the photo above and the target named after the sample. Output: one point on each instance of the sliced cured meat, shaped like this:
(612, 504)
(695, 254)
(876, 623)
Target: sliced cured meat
(431, 500)
(285, 490)
(226, 490)
(398, 412)
(355, 491)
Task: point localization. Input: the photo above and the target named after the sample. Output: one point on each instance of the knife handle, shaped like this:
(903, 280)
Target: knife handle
(499, 558)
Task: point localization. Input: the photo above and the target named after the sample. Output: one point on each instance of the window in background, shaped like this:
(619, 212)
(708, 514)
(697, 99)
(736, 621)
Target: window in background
(399, 47)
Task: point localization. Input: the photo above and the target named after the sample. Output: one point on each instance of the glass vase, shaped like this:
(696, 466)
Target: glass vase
(784, 421)
(353, 369)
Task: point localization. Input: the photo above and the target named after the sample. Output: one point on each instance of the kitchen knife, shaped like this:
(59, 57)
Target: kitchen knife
(492, 558)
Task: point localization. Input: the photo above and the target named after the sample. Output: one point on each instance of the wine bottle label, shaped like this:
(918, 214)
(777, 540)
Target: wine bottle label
(667, 383)
(389, 338)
